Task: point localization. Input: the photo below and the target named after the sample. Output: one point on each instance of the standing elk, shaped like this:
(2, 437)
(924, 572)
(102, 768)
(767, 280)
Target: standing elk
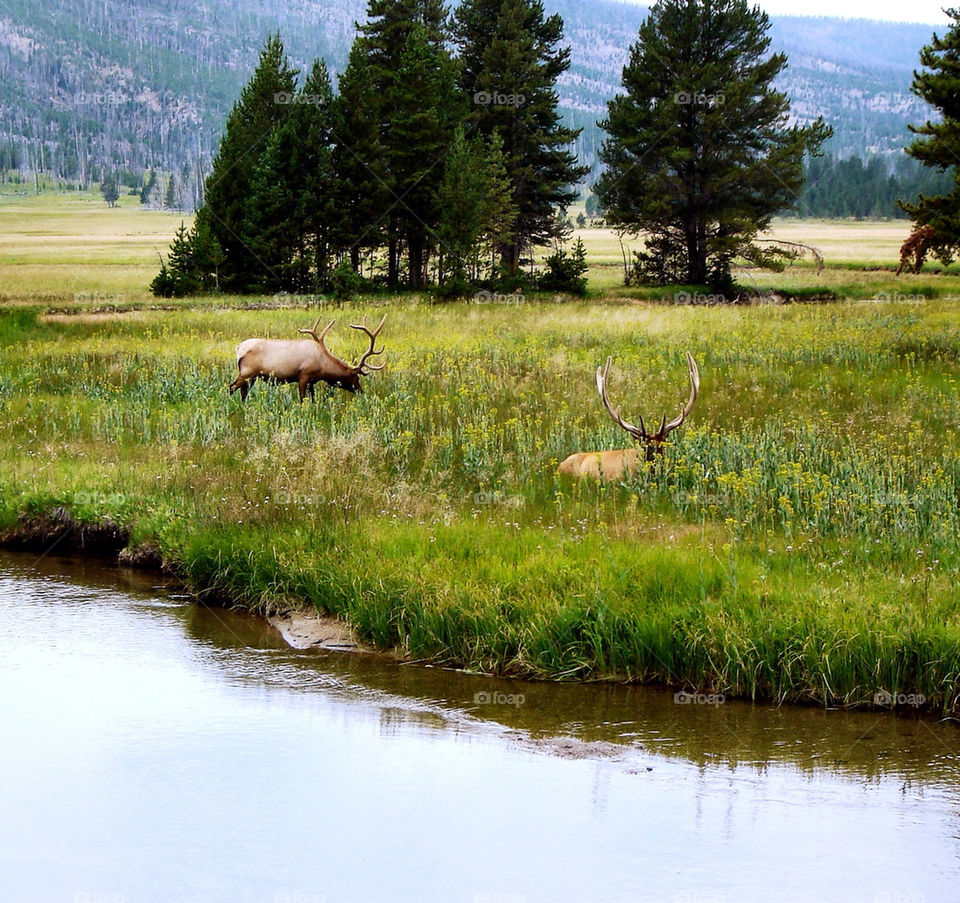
(303, 361)
(619, 464)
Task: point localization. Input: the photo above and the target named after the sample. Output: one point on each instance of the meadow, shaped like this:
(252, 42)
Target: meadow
(800, 542)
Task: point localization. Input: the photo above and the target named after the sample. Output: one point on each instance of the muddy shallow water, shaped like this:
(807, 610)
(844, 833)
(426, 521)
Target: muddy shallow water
(154, 750)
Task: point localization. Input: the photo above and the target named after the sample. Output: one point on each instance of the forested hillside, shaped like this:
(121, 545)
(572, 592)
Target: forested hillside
(132, 84)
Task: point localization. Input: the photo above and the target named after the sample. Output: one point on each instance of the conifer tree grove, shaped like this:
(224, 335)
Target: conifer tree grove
(263, 104)
(400, 177)
(476, 210)
(290, 210)
(423, 123)
(360, 192)
(400, 40)
(511, 58)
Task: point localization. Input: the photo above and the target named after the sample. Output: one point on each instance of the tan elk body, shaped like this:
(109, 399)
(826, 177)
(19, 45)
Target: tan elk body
(625, 462)
(302, 361)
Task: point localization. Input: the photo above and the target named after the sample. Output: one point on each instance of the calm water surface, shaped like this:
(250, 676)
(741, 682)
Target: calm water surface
(153, 750)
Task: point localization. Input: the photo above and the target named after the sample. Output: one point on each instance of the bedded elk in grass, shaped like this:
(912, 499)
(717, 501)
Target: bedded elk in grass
(619, 464)
(303, 361)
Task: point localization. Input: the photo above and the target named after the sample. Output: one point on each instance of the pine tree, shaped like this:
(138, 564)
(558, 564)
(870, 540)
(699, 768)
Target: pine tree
(360, 195)
(475, 209)
(939, 143)
(109, 189)
(181, 263)
(149, 184)
(510, 63)
(162, 284)
(501, 212)
(263, 105)
(425, 116)
(317, 141)
(700, 155)
(170, 198)
(289, 211)
(388, 25)
(206, 253)
(566, 272)
(179, 275)
(403, 41)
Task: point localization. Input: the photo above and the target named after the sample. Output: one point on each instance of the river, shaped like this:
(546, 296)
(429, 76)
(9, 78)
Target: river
(155, 750)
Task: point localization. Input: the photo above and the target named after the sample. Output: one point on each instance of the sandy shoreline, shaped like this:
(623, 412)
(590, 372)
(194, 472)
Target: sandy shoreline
(309, 630)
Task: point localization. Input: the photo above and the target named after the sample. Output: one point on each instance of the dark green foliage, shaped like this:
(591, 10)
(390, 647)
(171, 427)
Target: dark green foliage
(289, 211)
(396, 168)
(178, 276)
(566, 272)
(412, 97)
(206, 254)
(700, 155)
(511, 59)
(163, 285)
(263, 104)
(938, 146)
(425, 113)
(109, 189)
(149, 186)
(360, 191)
(476, 212)
(345, 282)
(192, 264)
(659, 263)
(864, 189)
(170, 198)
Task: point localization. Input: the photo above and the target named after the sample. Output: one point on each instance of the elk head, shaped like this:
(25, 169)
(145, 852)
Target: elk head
(340, 373)
(652, 442)
(624, 462)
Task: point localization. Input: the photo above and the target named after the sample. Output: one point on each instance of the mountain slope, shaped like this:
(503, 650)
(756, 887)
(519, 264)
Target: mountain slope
(137, 83)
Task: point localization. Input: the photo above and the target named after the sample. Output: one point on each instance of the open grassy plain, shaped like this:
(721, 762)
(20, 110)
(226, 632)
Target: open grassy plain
(800, 543)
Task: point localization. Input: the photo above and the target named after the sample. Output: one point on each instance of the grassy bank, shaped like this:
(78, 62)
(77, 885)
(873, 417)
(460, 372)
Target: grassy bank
(801, 542)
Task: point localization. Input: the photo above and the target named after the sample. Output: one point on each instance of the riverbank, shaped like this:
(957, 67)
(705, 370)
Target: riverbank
(185, 735)
(58, 533)
(800, 544)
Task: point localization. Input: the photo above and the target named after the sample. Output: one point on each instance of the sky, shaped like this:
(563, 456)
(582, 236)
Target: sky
(926, 11)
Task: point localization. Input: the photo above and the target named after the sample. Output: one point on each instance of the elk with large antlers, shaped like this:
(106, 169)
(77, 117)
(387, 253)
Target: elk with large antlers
(303, 361)
(622, 463)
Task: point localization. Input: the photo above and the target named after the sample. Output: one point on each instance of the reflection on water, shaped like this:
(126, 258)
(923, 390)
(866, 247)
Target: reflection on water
(156, 750)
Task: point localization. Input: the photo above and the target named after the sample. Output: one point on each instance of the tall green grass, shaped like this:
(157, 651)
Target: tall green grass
(800, 541)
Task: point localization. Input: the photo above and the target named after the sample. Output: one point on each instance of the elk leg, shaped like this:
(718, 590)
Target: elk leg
(241, 384)
(302, 385)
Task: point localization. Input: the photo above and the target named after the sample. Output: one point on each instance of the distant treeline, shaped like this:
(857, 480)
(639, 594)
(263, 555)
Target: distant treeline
(866, 190)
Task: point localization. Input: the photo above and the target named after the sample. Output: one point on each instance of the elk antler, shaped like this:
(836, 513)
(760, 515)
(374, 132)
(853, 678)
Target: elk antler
(688, 407)
(363, 366)
(313, 332)
(640, 432)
